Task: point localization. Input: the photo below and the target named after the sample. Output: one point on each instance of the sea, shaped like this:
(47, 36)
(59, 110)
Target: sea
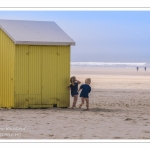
(112, 64)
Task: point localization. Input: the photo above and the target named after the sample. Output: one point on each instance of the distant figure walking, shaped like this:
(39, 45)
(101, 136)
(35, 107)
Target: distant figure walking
(137, 68)
(145, 68)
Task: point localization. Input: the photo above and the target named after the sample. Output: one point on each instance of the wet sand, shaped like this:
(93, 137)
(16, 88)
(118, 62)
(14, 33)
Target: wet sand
(119, 109)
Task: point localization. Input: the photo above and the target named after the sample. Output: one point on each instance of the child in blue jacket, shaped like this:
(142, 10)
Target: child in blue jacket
(74, 89)
(86, 89)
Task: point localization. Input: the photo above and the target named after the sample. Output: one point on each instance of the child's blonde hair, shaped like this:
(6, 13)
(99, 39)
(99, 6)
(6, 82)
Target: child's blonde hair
(72, 80)
(88, 80)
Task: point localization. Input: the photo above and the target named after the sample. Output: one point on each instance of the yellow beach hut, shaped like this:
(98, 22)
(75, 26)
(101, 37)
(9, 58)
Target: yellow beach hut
(34, 64)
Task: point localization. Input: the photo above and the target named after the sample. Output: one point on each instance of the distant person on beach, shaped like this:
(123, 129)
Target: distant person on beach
(137, 68)
(86, 89)
(74, 90)
(145, 68)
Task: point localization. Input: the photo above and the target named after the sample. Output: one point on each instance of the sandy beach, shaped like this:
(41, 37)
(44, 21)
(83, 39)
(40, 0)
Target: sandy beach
(119, 109)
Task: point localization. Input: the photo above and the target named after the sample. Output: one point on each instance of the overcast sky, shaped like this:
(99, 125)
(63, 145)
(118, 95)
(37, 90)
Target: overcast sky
(100, 36)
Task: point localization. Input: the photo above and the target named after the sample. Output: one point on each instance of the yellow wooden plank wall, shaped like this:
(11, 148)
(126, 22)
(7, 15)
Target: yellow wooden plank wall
(21, 76)
(63, 76)
(7, 50)
(41, 76)
(49, 75)
(35, 75)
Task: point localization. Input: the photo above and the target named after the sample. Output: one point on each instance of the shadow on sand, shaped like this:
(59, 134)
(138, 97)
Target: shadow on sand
(90, 110)
(96, 109)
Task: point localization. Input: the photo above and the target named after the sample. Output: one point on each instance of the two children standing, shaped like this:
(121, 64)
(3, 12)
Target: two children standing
(86, 89)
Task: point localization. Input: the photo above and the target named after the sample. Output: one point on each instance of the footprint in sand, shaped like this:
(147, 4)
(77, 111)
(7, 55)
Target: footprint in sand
(127, 105)
(2, 119)
(116, 137)
(127, 119)
(51, 135)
